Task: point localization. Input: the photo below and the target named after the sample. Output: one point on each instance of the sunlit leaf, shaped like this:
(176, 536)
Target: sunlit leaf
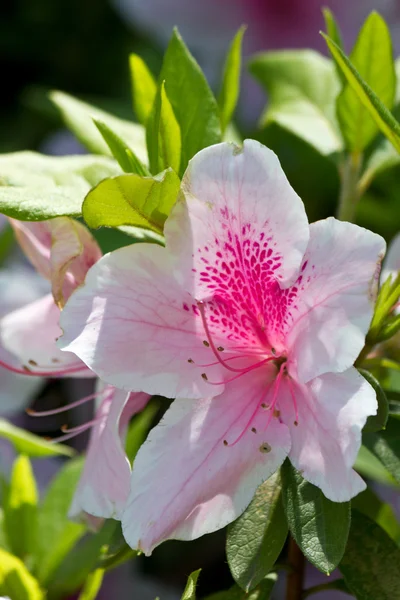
(190, 589)
(229, 93)
(163, 134)
(30, 444)
(124, 155)
(16, 582)
(144, 88)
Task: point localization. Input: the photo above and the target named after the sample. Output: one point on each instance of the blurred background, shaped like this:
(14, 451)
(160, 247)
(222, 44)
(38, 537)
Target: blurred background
(82, 47)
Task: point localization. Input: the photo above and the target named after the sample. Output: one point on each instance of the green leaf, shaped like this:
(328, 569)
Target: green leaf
(121, 152)
(382, 513)
(30, 444)
(78, 117)
(371, 563)
(302, 86)
(337, 584)
(378, 111)
(16, 582)
(229, 93)
(57, 533)
(372, 56)
(117, 551)
(20, 509)
(369, 466)
(192, 101)
(163, 134)
(319, 526)
(190, 589)
(80, 562)
(132, 200)
(139, 428)
(262, 591)
(333, 30)
(385, 445)
(92, 585)
(389, 328)
(256, 539)
(35, 187)
(384, 157)
(144, 88)
(378, 421)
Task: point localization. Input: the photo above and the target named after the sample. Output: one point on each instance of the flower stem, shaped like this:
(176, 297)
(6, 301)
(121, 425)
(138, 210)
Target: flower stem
(295, 578)
(349, 193)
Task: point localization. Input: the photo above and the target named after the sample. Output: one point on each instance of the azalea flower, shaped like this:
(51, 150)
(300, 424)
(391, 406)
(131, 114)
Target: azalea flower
(252, 319)
(62, 251)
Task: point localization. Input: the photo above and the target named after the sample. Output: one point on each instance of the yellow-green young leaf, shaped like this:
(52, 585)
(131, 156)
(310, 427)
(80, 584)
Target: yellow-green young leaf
(372, 56)
(35, 187)
(378, 111)
(378, 421)
(163, 134)
(92, 585)
(139, 428)
(126, 158)
(143, 88)
(385, 445)
(132, 200)
(190, 589)
(371, 563)
(369, 466)
(20, 509)
(78, 117)
(30, 444)
(332, 29)
(57, 534)
(229, 93)
(256, 538)
(193, 102)
(16, 582)
(382, 513)
(302, 86)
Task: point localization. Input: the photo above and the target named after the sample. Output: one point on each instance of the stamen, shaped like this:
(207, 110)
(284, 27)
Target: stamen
(277, 384)
(70, 370)
(251, 418)
(296, 412)
(79, 428)
(242, 372)
(56, 411)
(68, 436)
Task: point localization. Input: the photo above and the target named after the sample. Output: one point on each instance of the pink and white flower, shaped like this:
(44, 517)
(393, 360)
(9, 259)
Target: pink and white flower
(252, 319)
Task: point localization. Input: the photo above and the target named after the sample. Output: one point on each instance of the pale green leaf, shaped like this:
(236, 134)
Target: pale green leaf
(302, 86)
(31, 444)
(163, 134)
(20, 509)
(372, 56)
(385, 445)
(192, 101)
(35, 187)
(319, 526)
(190, 589)
(382, 513)
(378, 421)
(261, 592)
(230, 89)
(378, 111)
(144, 88)
(132, 200)
(256, 538)
(124, 155)
(92, 585)
(16, 582)
(57, 533)
(139, 428)
(78, 117)
(368, 465)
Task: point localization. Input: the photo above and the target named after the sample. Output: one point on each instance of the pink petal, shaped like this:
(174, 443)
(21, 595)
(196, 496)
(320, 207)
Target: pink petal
(104, 485)
(30, 334)
(190, 478)
(332, 410)
(135, 327)
(391, 265)
(61, 249)
(335, 297)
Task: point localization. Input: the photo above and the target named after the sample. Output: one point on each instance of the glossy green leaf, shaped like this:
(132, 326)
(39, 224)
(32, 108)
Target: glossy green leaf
(20, 509)
(35, 187)
(261, 592)
(378, 421)
(190, 589)
(92, 585)
(372, 56)
(78, 117)
(368, 465)
(16, 582)
(30, 444)
(139, 428)
(385, 445)
(144, 88)
(378, 111)
(132, 200)
(302, 86)
(121, 152)
(80, 562)
(192, 101)
(371, 563)
(319, 526)
(382, 513)
(163, 134)
(256, 538)
(230, 89)
(57, 533)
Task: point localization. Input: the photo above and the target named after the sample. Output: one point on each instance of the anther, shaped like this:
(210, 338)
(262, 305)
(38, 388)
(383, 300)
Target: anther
(33, 363)
(265, 448)
(273, 351)
(190, 361)
(277, 413)
(254, 430)
(225, 442)
(263, 405)
(220, 349)
(207, 345)
(295, 423)
(204, 376)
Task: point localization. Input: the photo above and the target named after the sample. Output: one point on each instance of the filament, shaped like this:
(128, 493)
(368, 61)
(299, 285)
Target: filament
(26, 371)
(56, 411)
